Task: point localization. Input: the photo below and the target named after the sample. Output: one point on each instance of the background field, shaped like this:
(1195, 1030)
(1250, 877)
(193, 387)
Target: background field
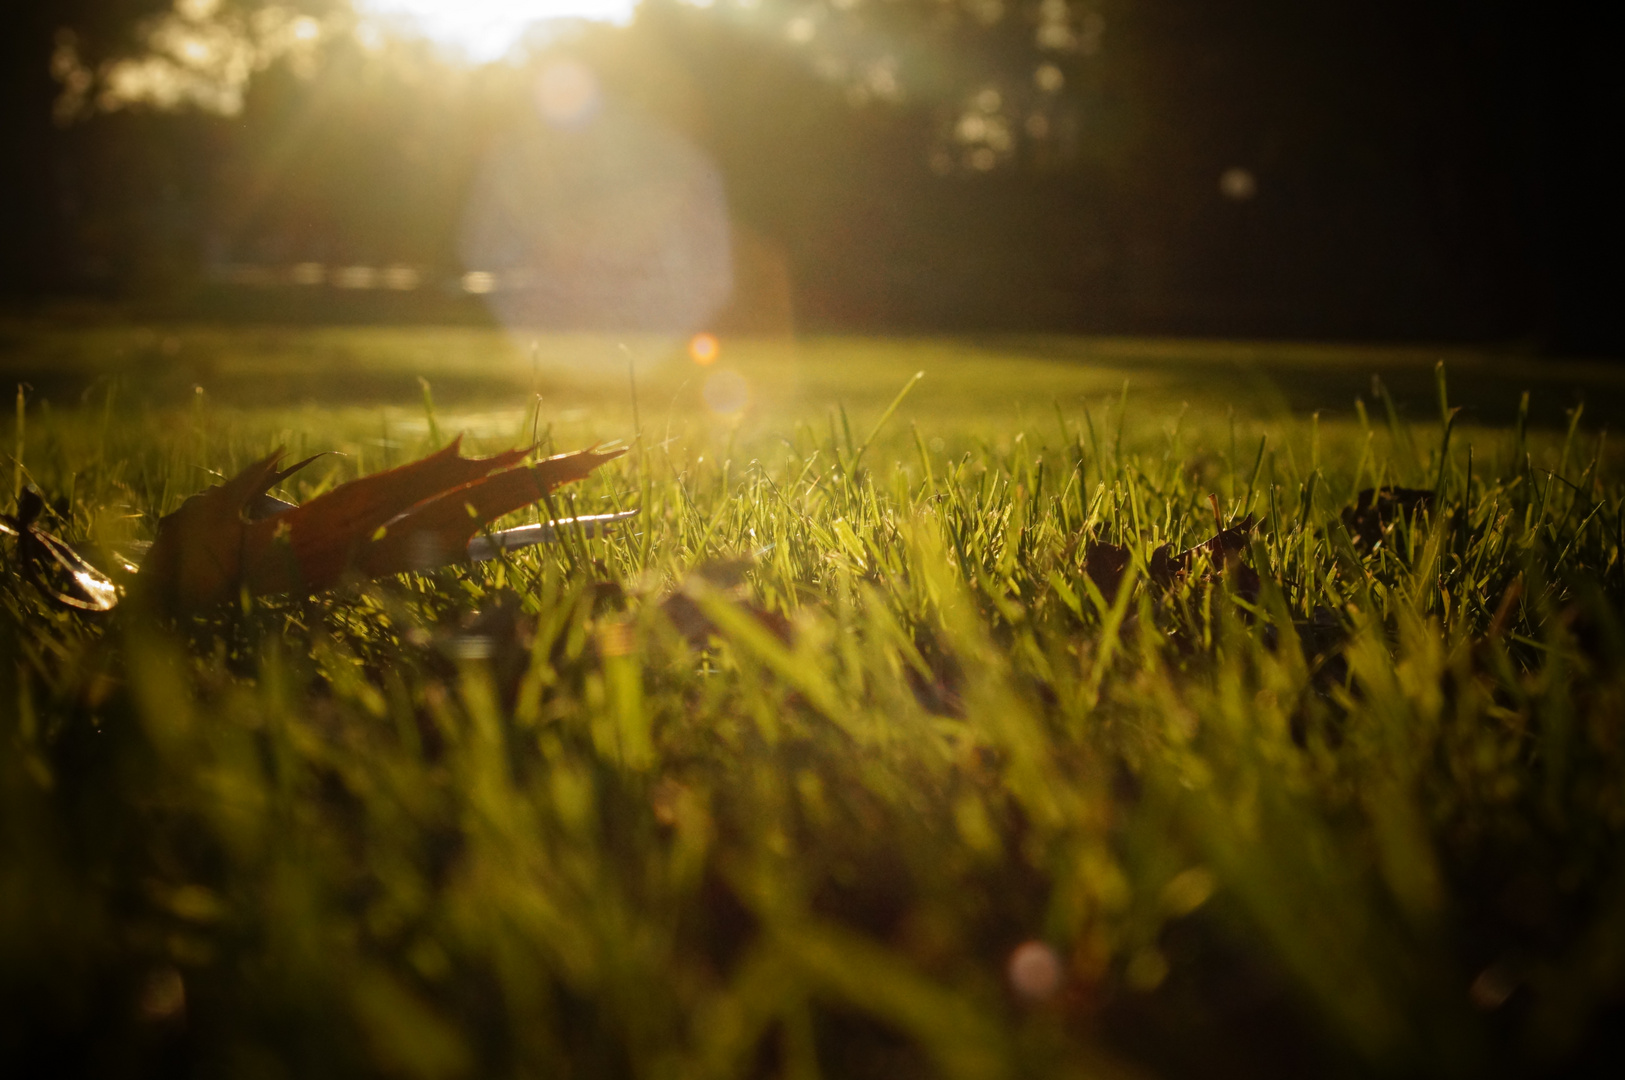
(61, 354)
(895, 786)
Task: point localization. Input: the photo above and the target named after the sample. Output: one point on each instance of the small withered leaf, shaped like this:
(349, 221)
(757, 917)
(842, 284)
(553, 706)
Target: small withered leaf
(1375, 509)
(1105, 563)
(1223, 550)
(724, 577)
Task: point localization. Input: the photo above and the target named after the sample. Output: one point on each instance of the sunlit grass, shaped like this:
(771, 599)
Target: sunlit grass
(538, 817)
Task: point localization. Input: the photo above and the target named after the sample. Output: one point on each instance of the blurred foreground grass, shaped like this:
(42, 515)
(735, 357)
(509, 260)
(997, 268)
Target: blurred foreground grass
(894, 789)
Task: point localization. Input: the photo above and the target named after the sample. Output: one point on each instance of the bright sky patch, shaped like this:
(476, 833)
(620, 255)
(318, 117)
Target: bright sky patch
(487, 29)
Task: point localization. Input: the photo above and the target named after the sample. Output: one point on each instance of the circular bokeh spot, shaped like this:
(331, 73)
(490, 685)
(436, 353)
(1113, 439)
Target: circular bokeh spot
(1034, 971)
(726, 393)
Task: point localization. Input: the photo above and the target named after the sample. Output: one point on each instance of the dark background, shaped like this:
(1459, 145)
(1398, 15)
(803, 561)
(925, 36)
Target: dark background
(1427, 170)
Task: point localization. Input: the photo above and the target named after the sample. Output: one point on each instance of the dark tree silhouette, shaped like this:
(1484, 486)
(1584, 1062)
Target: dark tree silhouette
(1378, 169)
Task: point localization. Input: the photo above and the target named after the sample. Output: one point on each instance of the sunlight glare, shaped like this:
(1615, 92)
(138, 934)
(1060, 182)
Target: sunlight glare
(487, 29)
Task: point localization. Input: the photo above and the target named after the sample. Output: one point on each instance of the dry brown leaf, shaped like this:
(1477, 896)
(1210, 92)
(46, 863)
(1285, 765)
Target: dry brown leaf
(1375, 509)
(724, 577)
(437, 530)
(414, 517)
(1223, 551)
(1105, 563)
(197, 558)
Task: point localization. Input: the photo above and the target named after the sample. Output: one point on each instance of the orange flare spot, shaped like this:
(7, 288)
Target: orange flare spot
(703, 348)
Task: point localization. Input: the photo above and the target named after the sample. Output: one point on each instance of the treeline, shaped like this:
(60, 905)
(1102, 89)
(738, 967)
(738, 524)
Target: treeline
(1256, 167)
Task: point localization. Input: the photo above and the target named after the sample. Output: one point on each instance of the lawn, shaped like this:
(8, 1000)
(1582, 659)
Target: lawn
(1074, 717)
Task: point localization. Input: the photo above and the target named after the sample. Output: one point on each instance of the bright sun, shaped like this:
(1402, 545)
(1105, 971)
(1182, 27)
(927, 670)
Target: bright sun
(487, 29)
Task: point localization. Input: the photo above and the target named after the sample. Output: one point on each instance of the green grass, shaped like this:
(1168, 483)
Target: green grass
(510, 821)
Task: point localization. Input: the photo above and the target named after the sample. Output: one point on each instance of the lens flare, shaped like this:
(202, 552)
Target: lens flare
(566, 93)
(1238, 184)
(703, 349)
(726, 393)
(614, 222)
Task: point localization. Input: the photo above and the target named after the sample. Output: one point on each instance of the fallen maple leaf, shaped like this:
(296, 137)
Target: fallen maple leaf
(415, 517)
